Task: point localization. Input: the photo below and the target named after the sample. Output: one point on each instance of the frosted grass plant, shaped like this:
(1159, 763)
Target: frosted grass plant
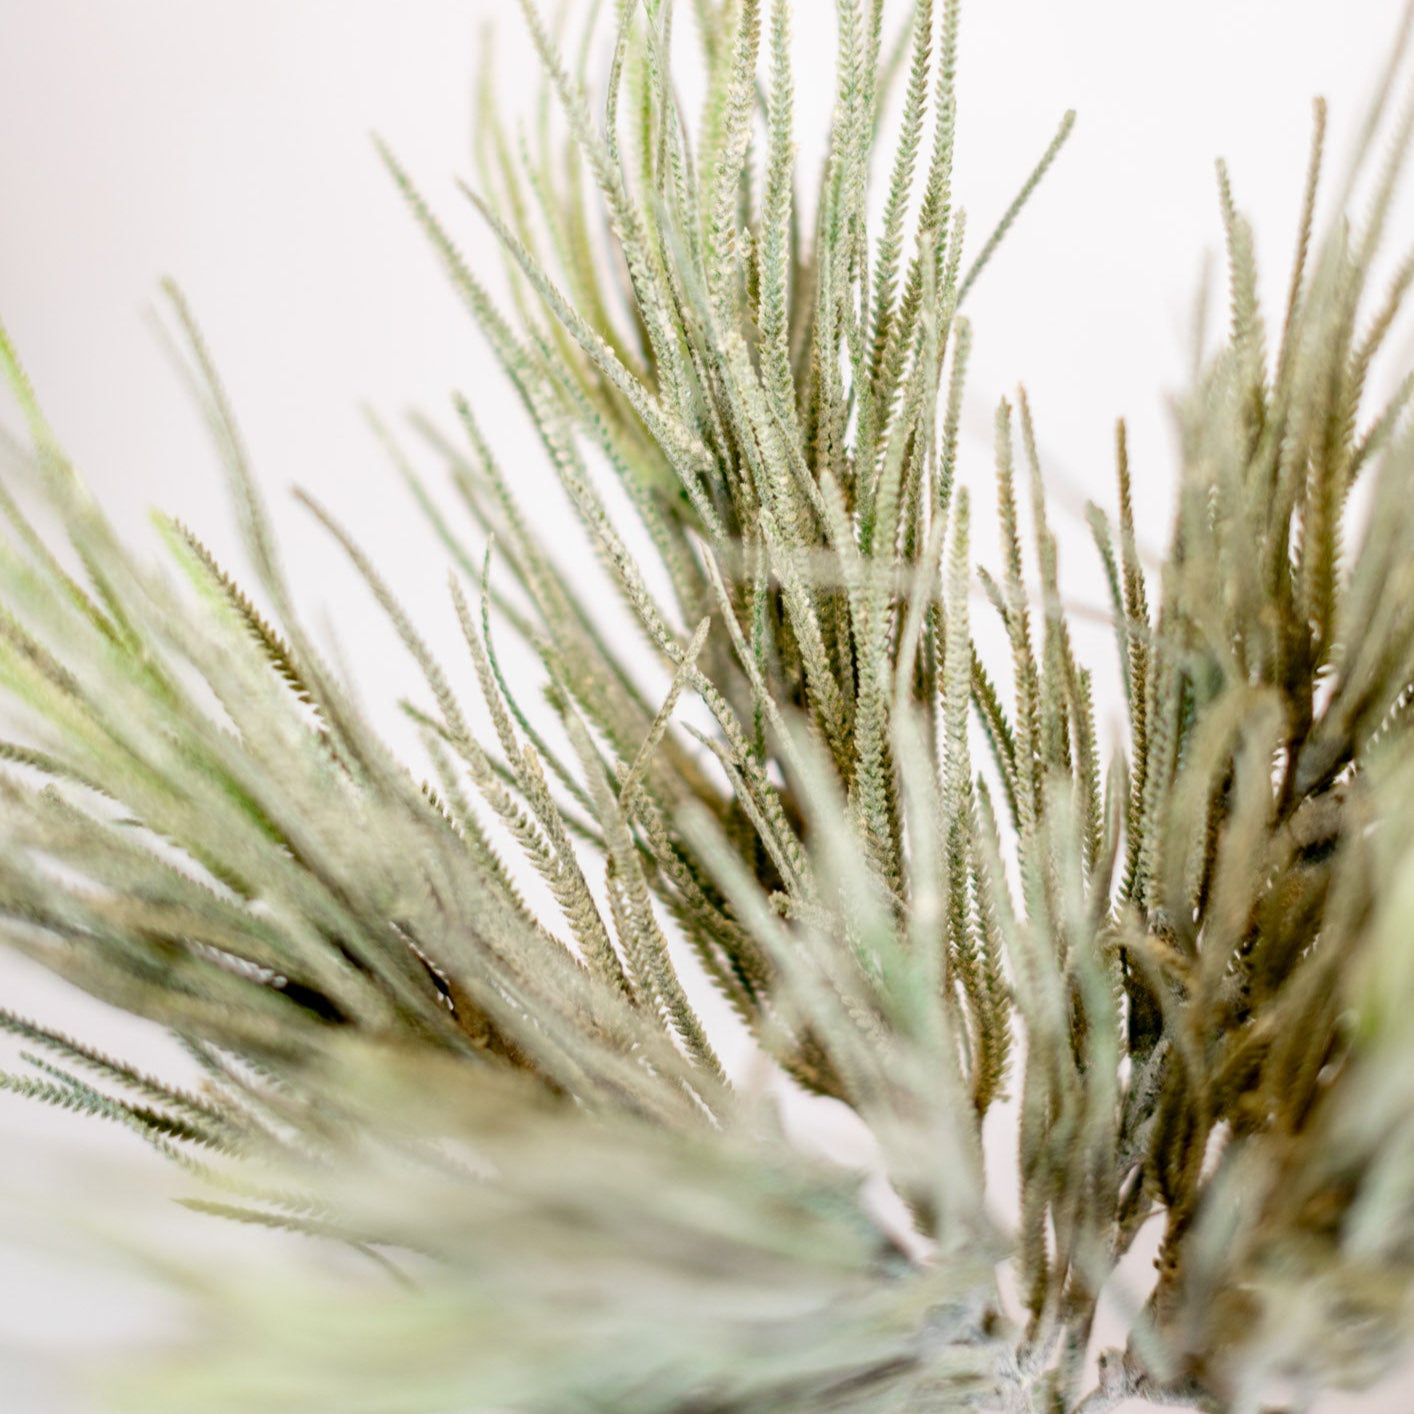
(921, 880)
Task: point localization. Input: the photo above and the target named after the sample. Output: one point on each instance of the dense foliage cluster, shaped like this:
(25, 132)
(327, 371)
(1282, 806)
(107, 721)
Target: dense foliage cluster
(919, 879)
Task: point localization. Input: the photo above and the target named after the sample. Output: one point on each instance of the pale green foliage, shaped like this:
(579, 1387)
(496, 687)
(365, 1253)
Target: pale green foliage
(1189, 968)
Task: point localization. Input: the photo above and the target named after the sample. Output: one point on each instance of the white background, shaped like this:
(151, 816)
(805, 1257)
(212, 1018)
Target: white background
(227, 144)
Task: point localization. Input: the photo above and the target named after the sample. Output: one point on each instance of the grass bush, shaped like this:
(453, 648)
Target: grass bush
(921, 881)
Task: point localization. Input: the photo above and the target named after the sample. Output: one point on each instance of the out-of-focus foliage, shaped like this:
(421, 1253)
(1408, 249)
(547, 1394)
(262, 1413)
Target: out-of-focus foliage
(1185, 955)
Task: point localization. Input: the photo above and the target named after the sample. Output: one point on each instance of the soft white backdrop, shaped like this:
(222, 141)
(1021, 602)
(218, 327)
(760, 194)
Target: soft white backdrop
(227, 144)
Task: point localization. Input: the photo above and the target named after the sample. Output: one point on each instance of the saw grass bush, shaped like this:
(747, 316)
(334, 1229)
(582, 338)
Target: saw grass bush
(807, 801)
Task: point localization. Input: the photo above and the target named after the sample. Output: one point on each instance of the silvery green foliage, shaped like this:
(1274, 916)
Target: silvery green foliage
(1184, 955)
